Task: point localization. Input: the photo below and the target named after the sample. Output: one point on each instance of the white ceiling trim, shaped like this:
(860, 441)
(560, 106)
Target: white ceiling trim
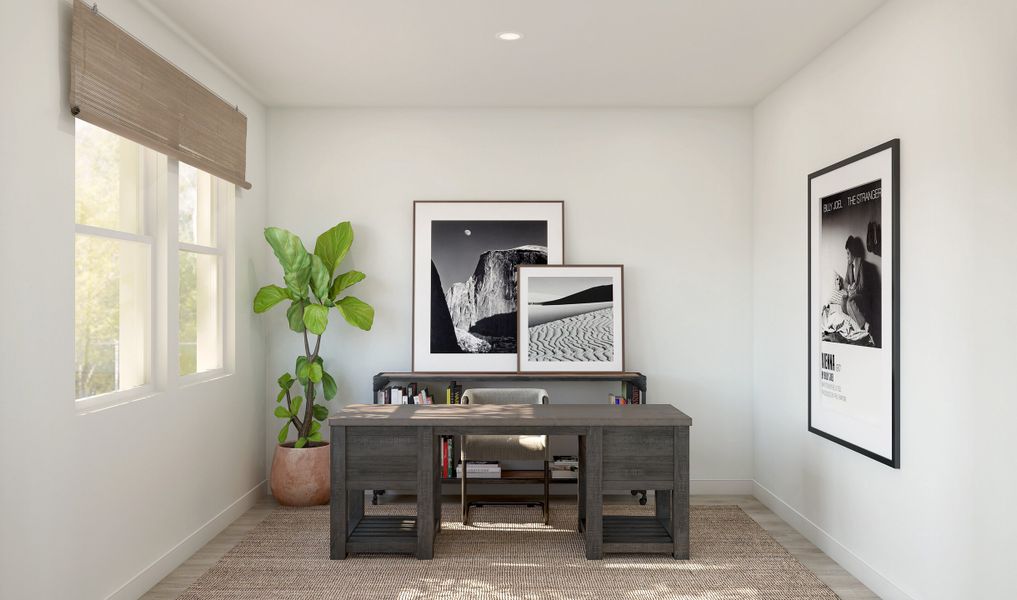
(200, 48)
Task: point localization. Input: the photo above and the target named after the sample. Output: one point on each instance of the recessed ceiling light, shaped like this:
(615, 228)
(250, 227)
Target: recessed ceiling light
(509, 36)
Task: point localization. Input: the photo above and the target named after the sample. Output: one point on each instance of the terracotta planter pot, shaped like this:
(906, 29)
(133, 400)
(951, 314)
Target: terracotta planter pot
(300, 476)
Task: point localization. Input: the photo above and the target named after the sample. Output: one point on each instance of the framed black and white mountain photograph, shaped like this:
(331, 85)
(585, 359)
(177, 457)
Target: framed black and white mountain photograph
(464, 278)
(571, 318)
(854, 396)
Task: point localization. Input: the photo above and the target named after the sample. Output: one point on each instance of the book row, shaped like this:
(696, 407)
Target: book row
(413, 393)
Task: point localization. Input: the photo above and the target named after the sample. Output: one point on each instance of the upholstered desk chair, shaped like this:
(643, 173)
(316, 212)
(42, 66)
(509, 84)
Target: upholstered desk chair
(505, 447)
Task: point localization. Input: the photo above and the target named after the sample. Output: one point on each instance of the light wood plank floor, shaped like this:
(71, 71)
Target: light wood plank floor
(839, 580)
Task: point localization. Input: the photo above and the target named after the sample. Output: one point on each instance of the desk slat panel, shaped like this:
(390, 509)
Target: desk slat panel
(382, 453)
(638, 454)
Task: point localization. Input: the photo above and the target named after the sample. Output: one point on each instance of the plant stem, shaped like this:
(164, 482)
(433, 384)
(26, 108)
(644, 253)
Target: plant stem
(305, 427)
(289, 406)
(309, 389)
(317, 346)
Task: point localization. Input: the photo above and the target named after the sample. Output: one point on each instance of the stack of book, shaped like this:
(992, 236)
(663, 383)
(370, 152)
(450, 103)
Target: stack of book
(409, 394)
(630, 395)
(454, 393)
(480, 469)
(413, 393)
(565, 467)
(448, 455)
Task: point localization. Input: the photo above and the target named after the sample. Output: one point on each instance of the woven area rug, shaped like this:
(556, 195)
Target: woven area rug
(506, 554)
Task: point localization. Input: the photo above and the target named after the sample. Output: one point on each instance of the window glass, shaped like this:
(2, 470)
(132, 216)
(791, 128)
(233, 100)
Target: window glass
(112, 307)
(200, 331)
(107, 180)
(197, 222)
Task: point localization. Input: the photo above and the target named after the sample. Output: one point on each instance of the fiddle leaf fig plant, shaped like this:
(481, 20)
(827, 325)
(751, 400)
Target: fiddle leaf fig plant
(313, 289)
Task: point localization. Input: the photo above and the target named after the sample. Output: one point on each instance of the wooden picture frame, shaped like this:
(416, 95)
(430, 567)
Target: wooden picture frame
(571, 318)
(854, 315)
(464, 258)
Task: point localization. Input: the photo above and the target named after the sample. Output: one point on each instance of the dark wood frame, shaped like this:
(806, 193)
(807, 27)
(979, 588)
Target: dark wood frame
(413, 264)
(519, 323)
(894, 147)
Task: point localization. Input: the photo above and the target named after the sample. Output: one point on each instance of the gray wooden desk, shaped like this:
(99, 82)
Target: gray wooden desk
(621, 448)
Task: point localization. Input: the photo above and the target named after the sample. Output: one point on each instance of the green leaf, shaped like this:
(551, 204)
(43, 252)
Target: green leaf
(300, 443)
(296, 281)
(282, 394)
(320, 412)
(315, 372)
(333, 245)
(295, 405)
(329, 385)
(267, 297)
(315, 427)
(319, 278)
(281, 412)
(346, 280)
(314, 437)
(288, 249)
(285, 431)
(356, 312)
(285, 381)
(302, 367)
(295, 315)
(293, 257)
(316, 318)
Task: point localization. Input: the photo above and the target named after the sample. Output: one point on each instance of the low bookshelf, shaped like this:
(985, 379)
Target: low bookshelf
(385, 379)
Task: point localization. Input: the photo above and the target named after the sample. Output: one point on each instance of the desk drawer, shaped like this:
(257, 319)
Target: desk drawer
(638, 454)
(381, 454)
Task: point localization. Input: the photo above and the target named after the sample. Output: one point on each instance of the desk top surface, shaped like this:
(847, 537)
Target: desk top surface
(507, 415)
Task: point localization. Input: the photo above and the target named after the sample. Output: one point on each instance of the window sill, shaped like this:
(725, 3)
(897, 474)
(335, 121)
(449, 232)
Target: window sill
(203, 377)
(94, 404)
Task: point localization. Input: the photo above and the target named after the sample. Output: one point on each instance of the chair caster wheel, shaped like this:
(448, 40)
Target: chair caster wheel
(642, 501)
(633, 492)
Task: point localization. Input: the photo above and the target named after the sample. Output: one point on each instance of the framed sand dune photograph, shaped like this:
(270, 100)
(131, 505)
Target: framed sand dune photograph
(570, 318)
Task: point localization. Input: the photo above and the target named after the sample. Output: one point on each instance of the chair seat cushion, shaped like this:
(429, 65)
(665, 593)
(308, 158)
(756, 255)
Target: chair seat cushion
(505, 447)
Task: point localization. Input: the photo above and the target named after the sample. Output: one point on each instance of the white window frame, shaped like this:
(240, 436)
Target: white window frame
(223, 194)
(159, 202)
(147, 177)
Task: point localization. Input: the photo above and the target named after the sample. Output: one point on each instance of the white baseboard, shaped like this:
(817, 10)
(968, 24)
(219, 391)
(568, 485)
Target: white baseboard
(720, 487)
(175, 556)
(851, 562)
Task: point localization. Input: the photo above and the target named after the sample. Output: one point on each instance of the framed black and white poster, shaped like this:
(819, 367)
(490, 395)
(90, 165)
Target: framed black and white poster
(571, 318)
(854, 241)
(465, 255)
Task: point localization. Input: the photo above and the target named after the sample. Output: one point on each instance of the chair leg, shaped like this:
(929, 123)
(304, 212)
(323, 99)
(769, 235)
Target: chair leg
(462, 495)
(547, 493)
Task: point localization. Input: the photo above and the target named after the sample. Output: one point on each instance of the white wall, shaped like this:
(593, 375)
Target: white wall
(941, 76)
(89, 502)
(665, 192)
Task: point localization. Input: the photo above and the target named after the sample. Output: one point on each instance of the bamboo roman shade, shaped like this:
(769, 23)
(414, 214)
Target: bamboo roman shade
(121, 85)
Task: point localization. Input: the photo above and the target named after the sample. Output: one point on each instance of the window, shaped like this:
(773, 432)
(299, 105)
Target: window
(148, 245)
(113, 264)
(200, 330)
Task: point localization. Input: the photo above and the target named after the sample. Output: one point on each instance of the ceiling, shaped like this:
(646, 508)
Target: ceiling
(574, 53)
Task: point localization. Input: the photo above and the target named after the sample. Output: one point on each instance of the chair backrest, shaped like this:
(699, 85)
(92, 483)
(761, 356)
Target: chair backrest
(505, 396)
